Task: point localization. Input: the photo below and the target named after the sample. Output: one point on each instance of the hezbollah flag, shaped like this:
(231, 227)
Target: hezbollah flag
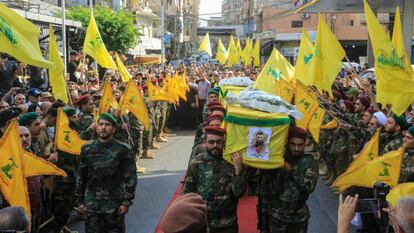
(394, 74)
(234, 58)
(132, 100)
(170, 90)
(56, 78)
(155, 93)
(95, 47)
(67, 139)
(17, 164)
(383, 169)
(285, 90)
(122, 69)
(307, 103)
(399, 191)
(276, 67)
(260, 137)
(247, 53)
(305, 59)
(256, 53)
(222, 53)
(108, 100)
(205, 45)
(181, 92)
(20, 38)
(330, 125)
(315, 124)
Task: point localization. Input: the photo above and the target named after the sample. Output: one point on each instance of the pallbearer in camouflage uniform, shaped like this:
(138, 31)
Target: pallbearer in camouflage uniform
(86, 107)
(392, 139)
(107, 180)
(218, 182)
(283, 192)
(407, 165)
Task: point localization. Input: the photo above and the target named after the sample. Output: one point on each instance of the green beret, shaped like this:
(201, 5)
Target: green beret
(28, 118)
(213, 91)
(352, 91)
(69, 111)
(109, 117)
(411, 130)
(401, 121)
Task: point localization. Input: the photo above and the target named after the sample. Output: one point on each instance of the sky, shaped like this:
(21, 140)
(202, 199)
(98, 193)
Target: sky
(207, 7)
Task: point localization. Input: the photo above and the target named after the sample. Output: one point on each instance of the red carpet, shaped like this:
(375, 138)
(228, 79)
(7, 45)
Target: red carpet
(246, 212)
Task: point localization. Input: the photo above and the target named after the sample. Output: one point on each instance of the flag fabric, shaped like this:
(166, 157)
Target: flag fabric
(132, 100)
(20, 38)
(95, 47)
(181, 91)
(330, 125)
(155, 93)
(56, 76)
(222, 53)
(368, 153)
(399, 191)
(247, 53)
(385, 168)
(307, 103)
(256, 53)
(285, 90)
(205, 45)
(38, 166)
(122, 69)
(305, 60)
(328, 58)
(393, 71)
(238, 48)
(276, 67)
(170, 91)
(315, 123)
(234, 58)
(108, 100)
(67, 139)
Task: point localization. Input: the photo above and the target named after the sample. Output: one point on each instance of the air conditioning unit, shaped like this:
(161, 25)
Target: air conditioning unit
(305, 16)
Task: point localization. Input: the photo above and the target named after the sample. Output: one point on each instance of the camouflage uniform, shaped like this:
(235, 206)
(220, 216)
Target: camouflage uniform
(163, 105)
(390, 142)
(136, 134)
(85, 120)
(199, 134)
(215, 180)
(204, 112)
(148, 133)
(107, 179)
(407, 168)
(121, 134)
(282, 195)
(198, 149)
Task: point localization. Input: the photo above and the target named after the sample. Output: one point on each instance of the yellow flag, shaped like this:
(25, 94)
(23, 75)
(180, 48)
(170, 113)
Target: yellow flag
(304, 60)
(170, 90)
(222, 53)
(205, 45)
(399, 191)
(234, 58)
(285, 90)
(276, 67)
(315, 123)
(247, 53)
(56, 77)
(328, 58)
(67, 139)
(108, 100)
(122, 69)
(95, 47)
(330, 125)
(132, 100)
(385, 168)
(183, 81)
(238, 47)
(395, 83)
(307, 103)
(368, 153)
(177, 86)
(155, 93)
(20, 38)
(17, 164)
(256, 53)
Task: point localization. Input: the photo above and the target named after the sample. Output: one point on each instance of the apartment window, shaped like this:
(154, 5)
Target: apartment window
(352, 22)
(297, 24)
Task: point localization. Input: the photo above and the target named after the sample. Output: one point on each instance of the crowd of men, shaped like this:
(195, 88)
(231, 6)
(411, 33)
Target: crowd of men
(100, 183)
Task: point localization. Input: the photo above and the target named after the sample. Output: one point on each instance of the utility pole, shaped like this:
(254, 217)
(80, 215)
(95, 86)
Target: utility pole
(65, 55)
(162, 35)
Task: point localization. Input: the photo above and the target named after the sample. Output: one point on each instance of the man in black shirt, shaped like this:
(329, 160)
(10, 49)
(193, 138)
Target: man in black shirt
(8, 72)
(73, 66)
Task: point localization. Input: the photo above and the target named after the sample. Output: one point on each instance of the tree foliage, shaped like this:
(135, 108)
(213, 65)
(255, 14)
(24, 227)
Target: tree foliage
(116, 27)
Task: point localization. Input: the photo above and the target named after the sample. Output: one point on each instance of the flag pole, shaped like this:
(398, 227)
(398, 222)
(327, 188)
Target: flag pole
(63, 8)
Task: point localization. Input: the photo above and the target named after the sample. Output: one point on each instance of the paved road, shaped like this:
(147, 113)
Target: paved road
(157, 185)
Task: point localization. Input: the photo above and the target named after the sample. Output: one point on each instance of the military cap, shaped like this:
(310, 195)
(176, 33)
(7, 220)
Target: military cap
(349, 105)
(217, 108)
(214, 117)
(401, 121)
(28, 118)
(371, 111)
(84, 99)
(69, 111)
(352, 91)
(213, 91)
(34, 92)
(364, 101)
(108, 117)
(214, 103)
(215, 130)
(296, 132)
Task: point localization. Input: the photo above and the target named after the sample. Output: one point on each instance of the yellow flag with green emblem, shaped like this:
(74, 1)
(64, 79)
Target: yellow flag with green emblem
(304, 60)
(238, 47)
(234, 58)
(399, 191)
(307, 103)
(276, 67)
(260, 137)
(285, 90)
(315, 124)
(122, 69)
(108, 100)
(95, 47)
(132, 100)
(247, 53)
(205, 45)
(20, 38)
(222, 53)
(56, 77)
(256, 53)
(67, 139)
(330, 125)
(155, 93)
(385, 168)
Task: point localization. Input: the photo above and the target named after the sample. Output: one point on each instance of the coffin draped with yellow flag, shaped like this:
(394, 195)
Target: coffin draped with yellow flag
(243, 125)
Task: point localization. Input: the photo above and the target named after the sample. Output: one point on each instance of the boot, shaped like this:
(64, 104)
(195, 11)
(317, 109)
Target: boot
(147, 155)
(166, 130)
(140, 169)
(161, 139)
(164, 135)
(154, 146)
(323, 170)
